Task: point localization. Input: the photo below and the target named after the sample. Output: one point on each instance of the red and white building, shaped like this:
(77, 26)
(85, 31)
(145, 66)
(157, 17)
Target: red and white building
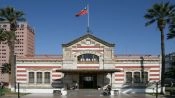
(91, 62)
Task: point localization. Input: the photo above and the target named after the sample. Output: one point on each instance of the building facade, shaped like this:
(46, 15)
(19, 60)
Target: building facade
(24, 44)
(89, 61)
(169, 61)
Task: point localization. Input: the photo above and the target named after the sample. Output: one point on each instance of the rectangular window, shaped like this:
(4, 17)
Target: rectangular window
(128, 77)
(39, 77)
(136, 77)
(145, 79)
(47, 77)
(31, 77)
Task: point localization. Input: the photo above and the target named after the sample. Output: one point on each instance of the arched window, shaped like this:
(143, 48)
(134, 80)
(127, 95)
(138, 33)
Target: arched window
(88, 58)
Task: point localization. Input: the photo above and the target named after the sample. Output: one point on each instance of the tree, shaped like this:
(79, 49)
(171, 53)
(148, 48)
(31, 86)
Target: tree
(9, 14)
(171, 33)
(162, 14)
(171, 71)
(2, 35)
(6, 68)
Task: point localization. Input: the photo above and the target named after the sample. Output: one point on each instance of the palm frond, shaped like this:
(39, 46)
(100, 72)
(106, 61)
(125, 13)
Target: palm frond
(10, 35)
(156, 7)
(149, 16)
(12, 16)
(162, 13)
(150, 22)
(21, 19)
(171, 35)
(3, 36)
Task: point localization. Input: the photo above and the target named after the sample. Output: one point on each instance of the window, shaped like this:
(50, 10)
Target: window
(88, 78)
(22, 25)
(145, 77)
(31, 77)
(91, 58)
(136, 77)
(128, 77)
(88, 42)
(39, 77)
(47, 77)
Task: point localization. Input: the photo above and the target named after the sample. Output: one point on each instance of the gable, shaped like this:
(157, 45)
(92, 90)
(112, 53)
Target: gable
(88, 40)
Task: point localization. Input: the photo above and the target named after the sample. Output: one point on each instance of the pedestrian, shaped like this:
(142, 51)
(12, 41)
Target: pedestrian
(171, 91)
(0, 84)
(76, 85)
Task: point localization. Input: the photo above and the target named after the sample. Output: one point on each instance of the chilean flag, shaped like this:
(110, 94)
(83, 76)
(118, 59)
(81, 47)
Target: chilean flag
(82, 12)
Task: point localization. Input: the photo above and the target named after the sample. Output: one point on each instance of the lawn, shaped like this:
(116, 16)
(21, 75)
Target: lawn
(7, 91)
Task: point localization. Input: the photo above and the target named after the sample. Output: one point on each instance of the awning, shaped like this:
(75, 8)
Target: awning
(98, 71)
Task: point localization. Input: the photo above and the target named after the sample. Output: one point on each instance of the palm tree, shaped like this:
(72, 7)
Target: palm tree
(9, 14)
(2, 35)
(171, 33)
(162, 14)
(6, 68)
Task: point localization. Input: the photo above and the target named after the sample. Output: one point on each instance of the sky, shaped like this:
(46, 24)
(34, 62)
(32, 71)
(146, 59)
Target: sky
(116, 21)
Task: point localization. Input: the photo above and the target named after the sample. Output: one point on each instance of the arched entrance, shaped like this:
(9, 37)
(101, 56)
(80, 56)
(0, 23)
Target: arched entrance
(87, 81)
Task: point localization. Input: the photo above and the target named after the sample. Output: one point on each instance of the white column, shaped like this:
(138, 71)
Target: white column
(35, 77)
(42, 77)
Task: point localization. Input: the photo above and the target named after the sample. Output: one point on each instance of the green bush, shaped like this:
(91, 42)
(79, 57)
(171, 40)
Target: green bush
(2, 91)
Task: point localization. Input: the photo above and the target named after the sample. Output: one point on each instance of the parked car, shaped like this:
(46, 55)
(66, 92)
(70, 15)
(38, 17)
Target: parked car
(57, 83)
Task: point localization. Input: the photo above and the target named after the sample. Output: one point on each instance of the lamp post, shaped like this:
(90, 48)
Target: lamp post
(157, 89)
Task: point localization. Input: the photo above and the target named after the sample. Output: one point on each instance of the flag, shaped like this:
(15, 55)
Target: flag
(82, 12)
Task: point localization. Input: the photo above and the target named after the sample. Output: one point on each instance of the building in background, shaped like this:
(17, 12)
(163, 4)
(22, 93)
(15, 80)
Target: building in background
(24, 44)
(90, 62)
(170, 60)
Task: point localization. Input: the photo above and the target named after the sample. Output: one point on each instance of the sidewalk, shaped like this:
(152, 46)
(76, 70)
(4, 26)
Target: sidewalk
(89, 96)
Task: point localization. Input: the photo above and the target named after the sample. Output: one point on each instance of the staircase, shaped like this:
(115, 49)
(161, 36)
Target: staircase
(84, 92)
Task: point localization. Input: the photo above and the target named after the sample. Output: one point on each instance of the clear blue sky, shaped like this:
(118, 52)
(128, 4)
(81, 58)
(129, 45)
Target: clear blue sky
(116, 21)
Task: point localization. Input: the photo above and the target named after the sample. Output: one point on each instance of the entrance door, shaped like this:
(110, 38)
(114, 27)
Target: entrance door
(88, 81)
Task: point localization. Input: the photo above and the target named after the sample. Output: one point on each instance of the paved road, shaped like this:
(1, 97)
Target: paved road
(86, 93)
(87, 96)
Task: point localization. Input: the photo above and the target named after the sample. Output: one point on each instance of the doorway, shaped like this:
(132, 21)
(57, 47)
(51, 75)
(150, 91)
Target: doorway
(87, 81)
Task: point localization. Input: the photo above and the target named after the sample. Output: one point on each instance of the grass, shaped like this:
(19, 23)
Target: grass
(7, 91)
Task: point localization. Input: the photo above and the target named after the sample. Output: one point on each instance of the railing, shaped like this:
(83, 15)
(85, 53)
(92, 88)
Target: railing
(87, 62)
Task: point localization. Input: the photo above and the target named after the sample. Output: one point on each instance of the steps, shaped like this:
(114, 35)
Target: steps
(84, 92)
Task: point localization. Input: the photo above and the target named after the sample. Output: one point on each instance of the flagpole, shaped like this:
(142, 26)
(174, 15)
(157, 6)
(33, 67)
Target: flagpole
(88, 29)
